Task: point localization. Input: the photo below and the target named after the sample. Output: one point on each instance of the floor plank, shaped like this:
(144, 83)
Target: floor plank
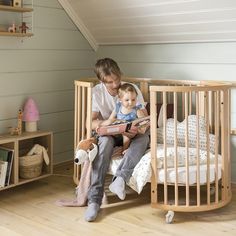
(30, 210)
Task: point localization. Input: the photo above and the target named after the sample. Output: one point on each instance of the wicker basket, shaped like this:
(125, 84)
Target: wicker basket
(31, 166)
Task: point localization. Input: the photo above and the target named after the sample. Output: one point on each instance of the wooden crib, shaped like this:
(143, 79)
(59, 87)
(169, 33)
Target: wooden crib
(210, 100)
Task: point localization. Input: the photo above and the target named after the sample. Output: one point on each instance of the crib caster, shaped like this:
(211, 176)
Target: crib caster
(169, 217)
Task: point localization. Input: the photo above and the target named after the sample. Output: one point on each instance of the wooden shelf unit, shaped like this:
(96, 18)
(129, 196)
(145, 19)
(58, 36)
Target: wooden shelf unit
(21, 144)
(22, 10)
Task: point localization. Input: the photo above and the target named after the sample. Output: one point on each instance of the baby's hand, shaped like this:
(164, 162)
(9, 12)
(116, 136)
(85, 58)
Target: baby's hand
(132, 132)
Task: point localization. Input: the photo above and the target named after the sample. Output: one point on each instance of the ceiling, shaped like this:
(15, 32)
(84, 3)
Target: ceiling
(114, 22)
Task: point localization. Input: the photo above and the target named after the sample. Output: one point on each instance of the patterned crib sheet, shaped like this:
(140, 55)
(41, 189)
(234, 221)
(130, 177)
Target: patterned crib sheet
(142, 172)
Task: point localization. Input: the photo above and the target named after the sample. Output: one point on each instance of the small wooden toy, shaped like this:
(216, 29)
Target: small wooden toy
(12, 29)
(16, 3)
(17, 130)
(23, 28)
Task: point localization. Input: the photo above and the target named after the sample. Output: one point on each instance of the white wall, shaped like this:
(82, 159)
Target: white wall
(189, 61)
(44, 67)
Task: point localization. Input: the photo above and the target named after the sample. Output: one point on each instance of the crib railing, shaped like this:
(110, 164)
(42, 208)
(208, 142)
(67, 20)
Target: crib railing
(82, 117)
(210, 101)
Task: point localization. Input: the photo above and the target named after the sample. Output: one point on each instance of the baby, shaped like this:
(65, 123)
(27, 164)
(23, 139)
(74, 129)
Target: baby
(126, 110)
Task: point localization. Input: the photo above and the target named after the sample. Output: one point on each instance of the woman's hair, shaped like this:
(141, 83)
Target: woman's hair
(125, 88)
(105, 67)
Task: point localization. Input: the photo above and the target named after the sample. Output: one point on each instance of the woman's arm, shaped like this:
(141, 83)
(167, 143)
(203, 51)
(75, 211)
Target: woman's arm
(95, 121)
(110, 120)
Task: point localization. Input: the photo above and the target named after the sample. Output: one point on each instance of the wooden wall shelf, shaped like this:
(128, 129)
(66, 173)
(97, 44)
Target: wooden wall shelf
(26, 12)
(15, 9)
(16, 34)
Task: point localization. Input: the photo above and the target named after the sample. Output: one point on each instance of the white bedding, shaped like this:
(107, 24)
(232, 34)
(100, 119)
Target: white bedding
(142, 172)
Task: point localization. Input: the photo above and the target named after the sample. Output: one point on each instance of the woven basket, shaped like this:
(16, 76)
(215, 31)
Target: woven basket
(31, 166)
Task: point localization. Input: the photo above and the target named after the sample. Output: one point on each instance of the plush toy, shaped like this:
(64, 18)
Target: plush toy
(23, 28)
(38, 149)
(12, 28)
(87, 150)
(17, 130)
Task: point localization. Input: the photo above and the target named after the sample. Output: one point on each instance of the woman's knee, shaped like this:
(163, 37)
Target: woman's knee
(143, 138)
(105, 140)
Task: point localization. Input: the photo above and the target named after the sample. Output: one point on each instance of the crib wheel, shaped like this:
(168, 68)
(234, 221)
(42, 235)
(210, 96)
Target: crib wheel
(169, 217)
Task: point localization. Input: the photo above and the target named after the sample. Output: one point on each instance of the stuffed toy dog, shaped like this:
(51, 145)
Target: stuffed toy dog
(87, 150)
(38, 149)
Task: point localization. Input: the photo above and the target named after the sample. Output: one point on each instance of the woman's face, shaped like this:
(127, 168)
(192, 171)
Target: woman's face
(112, 83)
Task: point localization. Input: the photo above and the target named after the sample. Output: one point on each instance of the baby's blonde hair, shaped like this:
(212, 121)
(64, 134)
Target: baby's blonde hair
(125, 88)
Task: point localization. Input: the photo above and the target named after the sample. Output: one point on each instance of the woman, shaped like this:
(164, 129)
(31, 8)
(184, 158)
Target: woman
(103, 103)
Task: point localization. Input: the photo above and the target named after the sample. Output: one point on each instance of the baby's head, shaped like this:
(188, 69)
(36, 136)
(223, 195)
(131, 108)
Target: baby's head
(127, 95)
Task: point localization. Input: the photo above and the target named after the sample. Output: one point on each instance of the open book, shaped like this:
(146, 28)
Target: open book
(139, 125)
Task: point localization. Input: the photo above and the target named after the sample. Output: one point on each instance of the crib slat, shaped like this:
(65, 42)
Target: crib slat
(81, 98)
(228, 142)
(197, 151)
(217, 115)
(83, 112)
(225, 143)
(183, 104)
(186, 148)
(76, 133)
(175, 147)
(202, 102)
(222, 144)
(207, 145)
(190, 102)
(153, 118)
(89, 113)
(211, 111)
(165, 147)
(76, 119)
(79, 113)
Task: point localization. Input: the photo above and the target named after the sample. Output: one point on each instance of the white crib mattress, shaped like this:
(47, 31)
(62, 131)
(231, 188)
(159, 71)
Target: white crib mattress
(171, 174)
(142, 172)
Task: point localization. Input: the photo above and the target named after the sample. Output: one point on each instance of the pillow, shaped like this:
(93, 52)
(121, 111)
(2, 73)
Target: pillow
(170, 110)
(192, 133)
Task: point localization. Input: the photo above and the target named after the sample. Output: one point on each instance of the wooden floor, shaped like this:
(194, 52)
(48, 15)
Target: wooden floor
(30, 210)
